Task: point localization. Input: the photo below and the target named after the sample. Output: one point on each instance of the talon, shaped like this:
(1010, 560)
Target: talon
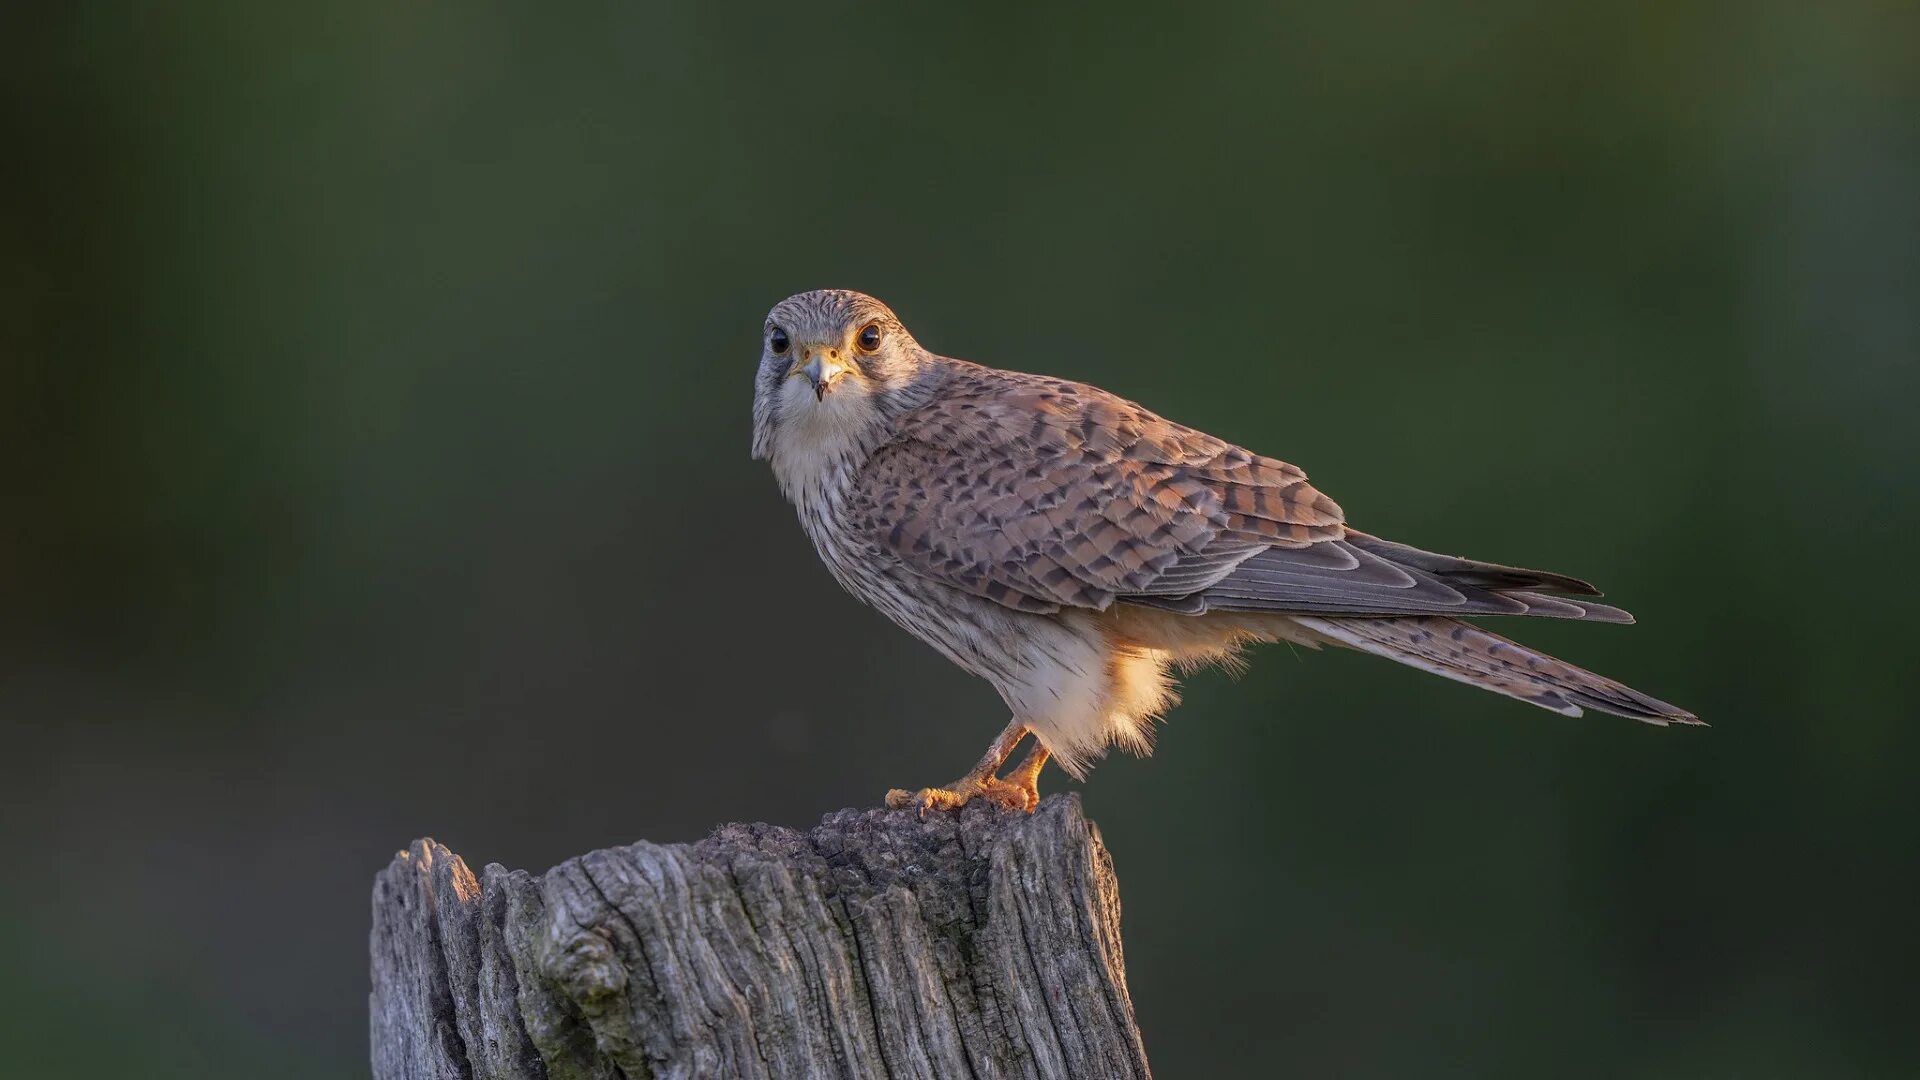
(925, 799)
(1019, 791)
(1007, 796)
(1004, 794)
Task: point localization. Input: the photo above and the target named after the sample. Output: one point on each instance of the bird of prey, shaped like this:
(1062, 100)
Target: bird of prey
(1072, 548)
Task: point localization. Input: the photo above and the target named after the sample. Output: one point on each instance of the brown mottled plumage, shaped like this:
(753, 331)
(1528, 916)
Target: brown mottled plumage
(1070, 546)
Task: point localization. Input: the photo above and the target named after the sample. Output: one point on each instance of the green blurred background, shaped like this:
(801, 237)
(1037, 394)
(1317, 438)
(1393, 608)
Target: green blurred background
(375, 402)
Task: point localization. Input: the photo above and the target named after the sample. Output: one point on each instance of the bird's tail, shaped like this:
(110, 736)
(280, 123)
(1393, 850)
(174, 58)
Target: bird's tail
(1465, 653)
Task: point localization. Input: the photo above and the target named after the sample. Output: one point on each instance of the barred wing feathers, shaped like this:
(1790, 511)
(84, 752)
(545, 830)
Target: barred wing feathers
(1041, 494)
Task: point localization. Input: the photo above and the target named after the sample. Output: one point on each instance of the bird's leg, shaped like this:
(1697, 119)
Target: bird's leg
(980, 782)
(1026, 778)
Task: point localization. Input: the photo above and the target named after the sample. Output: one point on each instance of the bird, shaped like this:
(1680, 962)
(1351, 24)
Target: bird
(1076, 550)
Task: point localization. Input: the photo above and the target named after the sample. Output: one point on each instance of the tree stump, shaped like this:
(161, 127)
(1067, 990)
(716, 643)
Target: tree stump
(978, 944)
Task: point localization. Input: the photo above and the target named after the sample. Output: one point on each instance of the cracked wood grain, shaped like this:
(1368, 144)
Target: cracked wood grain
(981, 944)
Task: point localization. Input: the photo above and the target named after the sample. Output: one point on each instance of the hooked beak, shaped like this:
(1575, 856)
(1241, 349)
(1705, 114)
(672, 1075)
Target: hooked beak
(821, 371)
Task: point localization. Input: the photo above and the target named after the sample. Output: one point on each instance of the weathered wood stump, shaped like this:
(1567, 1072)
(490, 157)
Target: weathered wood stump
(979, 944)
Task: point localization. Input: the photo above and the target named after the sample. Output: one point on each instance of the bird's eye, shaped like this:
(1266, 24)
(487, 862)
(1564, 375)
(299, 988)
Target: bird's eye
(869, 338)
(777, 341)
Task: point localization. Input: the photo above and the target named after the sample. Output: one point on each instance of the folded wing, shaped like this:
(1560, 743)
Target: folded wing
(1042, 494)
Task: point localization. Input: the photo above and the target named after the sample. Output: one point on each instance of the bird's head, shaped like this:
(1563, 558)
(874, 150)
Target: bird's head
(832, 362)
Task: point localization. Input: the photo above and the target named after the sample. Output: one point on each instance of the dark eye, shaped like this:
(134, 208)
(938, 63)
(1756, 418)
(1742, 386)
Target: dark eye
(777, 341)
(869, 338)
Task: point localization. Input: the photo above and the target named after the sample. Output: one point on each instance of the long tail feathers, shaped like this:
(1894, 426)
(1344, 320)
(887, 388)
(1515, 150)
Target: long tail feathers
(1465, 653)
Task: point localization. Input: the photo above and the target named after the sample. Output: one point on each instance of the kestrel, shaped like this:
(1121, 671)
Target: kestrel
(1071, 547)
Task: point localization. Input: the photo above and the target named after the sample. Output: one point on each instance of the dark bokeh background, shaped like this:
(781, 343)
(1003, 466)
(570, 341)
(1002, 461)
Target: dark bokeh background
(375, 454)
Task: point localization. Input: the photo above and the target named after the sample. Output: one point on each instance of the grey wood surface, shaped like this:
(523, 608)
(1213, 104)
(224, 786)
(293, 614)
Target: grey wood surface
(978, 944)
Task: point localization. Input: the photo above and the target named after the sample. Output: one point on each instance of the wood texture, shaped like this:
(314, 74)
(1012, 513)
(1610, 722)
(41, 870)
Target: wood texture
(979, 944)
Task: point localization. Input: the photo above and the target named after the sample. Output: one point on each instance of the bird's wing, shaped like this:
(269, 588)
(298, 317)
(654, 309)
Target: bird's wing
(1364, 576)
(1040, 493)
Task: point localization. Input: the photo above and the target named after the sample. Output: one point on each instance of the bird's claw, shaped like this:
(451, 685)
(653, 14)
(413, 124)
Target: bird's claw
(1001, 793)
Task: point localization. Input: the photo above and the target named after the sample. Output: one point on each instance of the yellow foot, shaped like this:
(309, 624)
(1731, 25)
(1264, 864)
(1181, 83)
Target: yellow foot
(1001, 793)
